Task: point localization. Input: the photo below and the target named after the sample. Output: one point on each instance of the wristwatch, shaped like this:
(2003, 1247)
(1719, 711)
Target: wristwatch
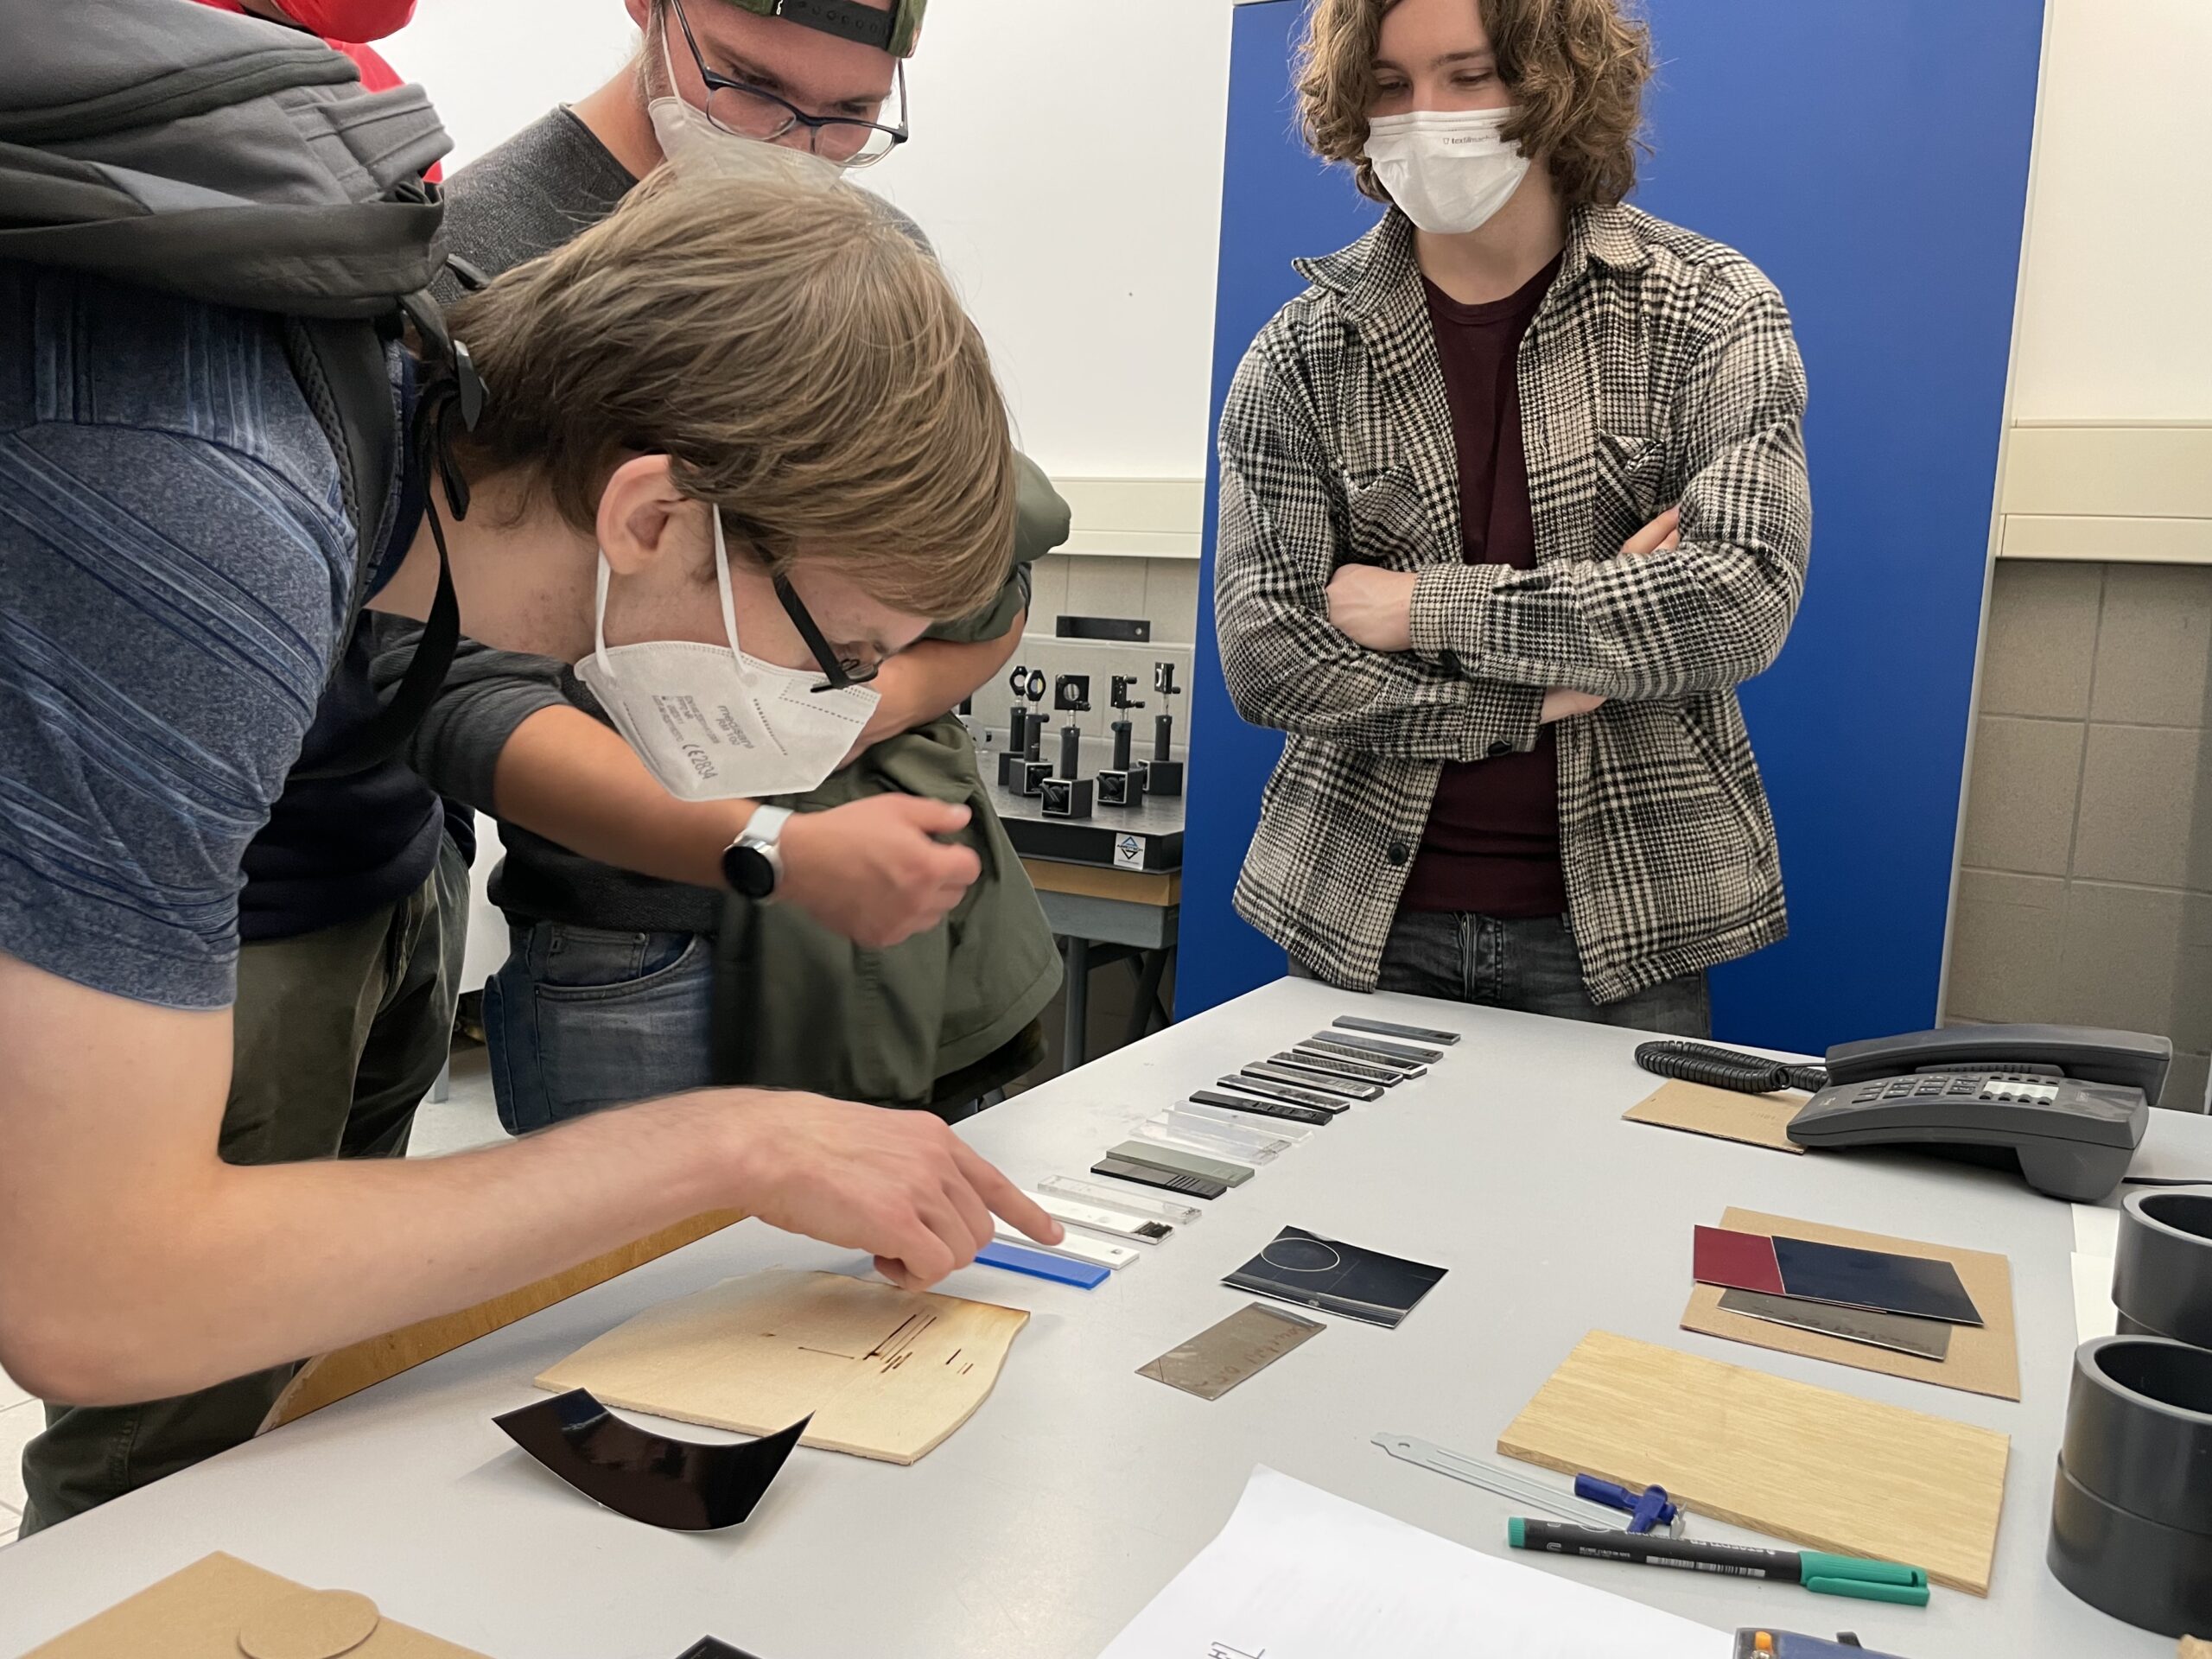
(754, 864)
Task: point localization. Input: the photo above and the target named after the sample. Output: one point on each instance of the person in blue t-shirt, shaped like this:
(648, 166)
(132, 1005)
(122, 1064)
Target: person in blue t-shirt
(350, 921)
(741, 443)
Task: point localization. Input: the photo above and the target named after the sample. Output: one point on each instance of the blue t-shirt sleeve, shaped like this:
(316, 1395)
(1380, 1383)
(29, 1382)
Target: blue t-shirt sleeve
(174, 565)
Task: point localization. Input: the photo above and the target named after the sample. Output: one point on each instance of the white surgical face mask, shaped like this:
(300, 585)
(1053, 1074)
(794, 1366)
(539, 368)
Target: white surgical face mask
(696, 147)
(714, 723)
(1449, 169)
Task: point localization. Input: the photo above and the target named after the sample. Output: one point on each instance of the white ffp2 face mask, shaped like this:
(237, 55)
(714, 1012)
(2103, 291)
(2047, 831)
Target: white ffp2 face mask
(1450, 170)
(713, 723)
(696, 147)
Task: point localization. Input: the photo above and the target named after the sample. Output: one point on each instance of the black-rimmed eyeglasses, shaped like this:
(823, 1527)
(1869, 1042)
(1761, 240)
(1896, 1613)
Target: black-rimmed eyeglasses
(745, 110)
(838, 673)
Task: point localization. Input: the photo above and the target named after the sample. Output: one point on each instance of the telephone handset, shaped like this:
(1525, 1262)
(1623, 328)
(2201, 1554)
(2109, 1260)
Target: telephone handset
(2068, 1105)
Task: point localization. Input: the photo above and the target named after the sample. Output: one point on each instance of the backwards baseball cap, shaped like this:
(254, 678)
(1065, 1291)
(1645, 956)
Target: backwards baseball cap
(894, 30)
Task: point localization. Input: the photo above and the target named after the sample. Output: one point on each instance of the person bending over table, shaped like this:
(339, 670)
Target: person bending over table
(738, 416)
(1513, 497)
(352, 939)
(879, 973)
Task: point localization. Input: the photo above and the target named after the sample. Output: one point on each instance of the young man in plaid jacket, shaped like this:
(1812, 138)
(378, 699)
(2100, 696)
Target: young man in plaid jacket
(1512, 498)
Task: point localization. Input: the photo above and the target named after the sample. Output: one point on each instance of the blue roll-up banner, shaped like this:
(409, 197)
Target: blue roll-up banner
(1873, 160)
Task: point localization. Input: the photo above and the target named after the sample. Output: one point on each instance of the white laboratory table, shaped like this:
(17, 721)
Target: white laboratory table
(1080, 1488)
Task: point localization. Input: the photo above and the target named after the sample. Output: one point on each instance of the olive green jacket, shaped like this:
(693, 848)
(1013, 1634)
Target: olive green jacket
(934, 1005)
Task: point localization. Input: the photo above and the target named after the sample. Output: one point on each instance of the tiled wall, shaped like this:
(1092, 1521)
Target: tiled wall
(2085, 895)
(1165, 591)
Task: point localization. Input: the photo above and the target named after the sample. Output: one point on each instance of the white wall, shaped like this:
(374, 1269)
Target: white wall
(492, 66)
(2116, 291)
(1066, 161)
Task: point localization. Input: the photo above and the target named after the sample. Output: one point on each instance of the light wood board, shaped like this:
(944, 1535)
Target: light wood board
(1820, 1469)
(1755, 1120)
(199, 1613)
(330, 1377)
(887, 1373)
(1160, 889)
(2193, 1649)
(1982, 1359)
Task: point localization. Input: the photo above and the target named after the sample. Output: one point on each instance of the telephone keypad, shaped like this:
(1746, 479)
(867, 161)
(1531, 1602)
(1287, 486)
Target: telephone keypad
(2038, 1091)
(2033, 1092)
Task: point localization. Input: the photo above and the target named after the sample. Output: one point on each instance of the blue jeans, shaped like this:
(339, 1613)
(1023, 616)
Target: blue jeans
(581, 1019)
(1529, 965)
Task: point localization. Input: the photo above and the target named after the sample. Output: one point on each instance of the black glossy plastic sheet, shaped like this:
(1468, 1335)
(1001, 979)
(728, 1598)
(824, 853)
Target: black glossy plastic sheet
(710, 1648)
(680, 1484)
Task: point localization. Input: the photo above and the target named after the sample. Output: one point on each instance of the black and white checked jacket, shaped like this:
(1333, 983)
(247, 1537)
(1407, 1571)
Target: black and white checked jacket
(1659, 370)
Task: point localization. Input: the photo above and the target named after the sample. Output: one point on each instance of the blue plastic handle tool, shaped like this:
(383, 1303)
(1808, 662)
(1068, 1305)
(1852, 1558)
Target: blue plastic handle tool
(1649, 1509)
(1038, 1265)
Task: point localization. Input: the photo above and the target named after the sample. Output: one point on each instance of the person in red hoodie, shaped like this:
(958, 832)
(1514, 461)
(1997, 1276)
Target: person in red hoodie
(345, 25)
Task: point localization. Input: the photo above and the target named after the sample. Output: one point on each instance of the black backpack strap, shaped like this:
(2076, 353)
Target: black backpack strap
(343, 374)
(342, 371)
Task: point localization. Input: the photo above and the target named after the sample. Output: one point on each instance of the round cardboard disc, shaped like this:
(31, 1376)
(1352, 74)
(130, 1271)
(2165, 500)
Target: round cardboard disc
(313, 1624)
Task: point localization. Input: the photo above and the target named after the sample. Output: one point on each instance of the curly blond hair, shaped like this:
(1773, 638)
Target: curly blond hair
(1576, 68)
(806, 368)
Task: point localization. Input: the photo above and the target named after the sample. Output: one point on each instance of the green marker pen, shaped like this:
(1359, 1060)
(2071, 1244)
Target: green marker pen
(1823, 1575)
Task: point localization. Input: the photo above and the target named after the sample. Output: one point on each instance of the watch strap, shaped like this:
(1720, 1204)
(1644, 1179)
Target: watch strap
(757, 850)
(765, 826)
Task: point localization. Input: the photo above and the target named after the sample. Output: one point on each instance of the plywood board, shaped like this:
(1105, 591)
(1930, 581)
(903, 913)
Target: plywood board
(1818, 1468)
(343, 1372)
(1983, 1359)
(200, 1613)
(1755, 1120)
(886, 1373)
(2193, 1649)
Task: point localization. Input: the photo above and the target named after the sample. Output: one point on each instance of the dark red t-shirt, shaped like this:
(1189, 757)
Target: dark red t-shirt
(1492, 841)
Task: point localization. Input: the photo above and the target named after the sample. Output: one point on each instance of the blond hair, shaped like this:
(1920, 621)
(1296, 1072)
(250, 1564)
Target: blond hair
(1576, 69)
(806, 368)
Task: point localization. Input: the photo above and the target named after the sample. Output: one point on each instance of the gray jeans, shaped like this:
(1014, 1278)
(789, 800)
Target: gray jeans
(1528, 965)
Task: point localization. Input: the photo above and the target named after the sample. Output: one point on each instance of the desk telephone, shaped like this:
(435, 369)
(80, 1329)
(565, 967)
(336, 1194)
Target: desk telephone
(2065, 1105)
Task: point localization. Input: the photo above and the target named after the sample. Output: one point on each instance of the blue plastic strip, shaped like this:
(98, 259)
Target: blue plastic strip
(1038, 1265)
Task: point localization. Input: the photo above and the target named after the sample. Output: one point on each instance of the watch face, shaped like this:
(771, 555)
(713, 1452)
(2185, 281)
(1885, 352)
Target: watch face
(748, 871)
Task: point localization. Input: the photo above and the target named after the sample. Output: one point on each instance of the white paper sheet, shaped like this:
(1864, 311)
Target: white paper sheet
(1299, 1573)
(2096, 1241)
(2096, 1230)
(2093, 1313)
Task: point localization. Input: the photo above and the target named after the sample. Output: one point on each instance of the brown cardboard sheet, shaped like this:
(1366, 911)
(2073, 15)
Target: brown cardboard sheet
(1755, 1120)
(215, 1608)
(1982, 1359)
